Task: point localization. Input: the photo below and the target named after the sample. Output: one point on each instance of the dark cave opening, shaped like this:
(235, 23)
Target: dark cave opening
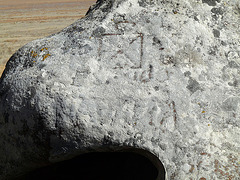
(103, 166)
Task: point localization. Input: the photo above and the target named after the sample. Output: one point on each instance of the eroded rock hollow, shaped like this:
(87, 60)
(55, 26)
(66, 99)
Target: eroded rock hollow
(128, 164)
(158, 75)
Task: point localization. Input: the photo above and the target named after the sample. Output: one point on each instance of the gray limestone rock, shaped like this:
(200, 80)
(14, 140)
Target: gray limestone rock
(158, 75)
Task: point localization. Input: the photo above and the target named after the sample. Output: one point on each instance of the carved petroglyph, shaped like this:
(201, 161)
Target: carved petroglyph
(128, 50)
(80, 76)
(121, 50)
(125, 51)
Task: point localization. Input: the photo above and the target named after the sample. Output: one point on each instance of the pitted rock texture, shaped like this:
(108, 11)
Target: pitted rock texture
(159, 75)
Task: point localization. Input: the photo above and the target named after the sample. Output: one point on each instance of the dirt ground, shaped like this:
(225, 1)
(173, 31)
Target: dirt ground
(22, 21)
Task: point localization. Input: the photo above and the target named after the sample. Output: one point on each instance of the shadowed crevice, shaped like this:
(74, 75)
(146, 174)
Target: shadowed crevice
(127, 165)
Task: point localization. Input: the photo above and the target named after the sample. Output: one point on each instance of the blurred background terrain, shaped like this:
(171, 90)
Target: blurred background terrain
(22, 21)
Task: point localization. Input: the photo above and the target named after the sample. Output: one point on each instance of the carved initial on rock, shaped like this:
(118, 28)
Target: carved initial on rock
(124, 51)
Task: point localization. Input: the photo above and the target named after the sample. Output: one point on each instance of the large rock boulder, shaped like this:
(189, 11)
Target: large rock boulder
(158, 75)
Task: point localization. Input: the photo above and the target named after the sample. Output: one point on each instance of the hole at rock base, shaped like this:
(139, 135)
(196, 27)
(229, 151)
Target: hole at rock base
(101, 166)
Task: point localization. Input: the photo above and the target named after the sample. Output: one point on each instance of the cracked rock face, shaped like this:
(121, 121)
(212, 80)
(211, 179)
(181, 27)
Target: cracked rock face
(158, 75)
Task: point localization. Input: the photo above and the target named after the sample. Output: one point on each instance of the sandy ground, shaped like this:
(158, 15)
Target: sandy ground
(22, 21)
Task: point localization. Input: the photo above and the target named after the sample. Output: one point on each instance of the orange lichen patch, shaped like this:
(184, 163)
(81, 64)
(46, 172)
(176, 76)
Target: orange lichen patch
(203, 111)
(34, 54)
(45, 56)
(44, 49)
(202, 178)
(209, 124)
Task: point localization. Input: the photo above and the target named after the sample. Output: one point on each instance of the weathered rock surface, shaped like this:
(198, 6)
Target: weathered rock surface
(159, 75)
